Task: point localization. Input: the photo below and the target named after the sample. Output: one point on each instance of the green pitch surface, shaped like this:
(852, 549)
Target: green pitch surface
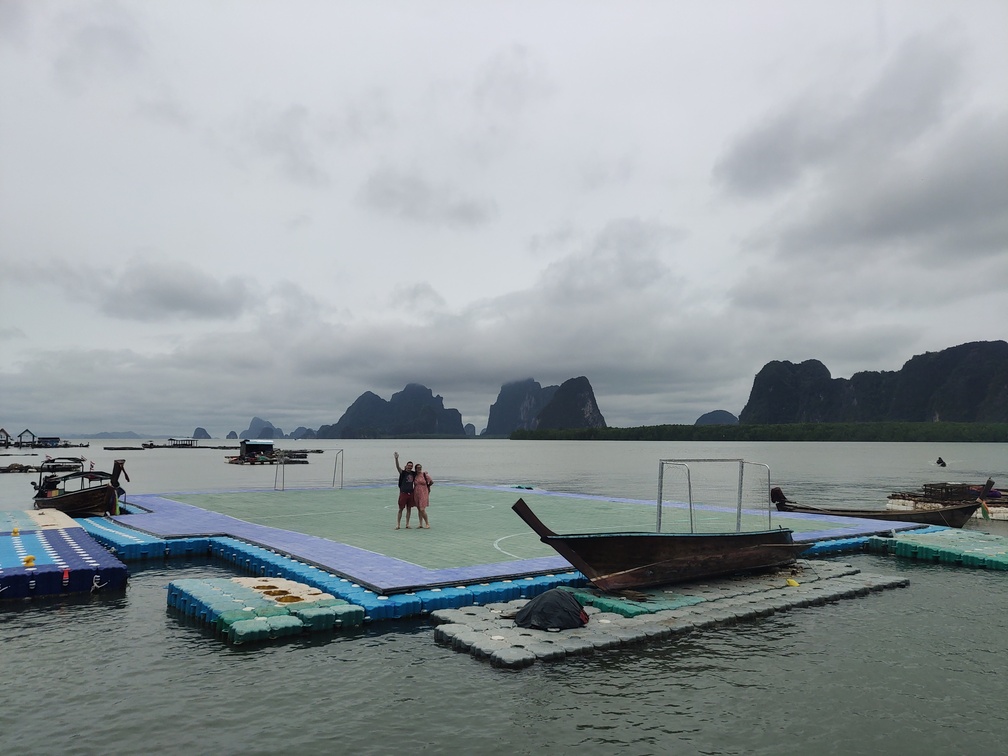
(469, 525)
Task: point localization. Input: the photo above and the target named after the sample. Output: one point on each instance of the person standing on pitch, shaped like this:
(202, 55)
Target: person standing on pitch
(421, 494)
(406, 477)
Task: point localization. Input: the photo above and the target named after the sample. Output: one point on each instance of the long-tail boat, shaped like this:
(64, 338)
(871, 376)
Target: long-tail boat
(628, 560)
(932, 495)
(952, 516)
(949, 513)
(79, 493)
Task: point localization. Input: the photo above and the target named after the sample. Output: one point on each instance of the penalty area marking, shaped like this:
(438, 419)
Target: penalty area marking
(497, 544)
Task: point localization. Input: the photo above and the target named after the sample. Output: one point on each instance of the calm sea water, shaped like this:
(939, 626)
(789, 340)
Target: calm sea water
(920, 670)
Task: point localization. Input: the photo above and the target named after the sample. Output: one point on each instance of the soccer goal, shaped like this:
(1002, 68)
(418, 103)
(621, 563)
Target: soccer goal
(713, 495)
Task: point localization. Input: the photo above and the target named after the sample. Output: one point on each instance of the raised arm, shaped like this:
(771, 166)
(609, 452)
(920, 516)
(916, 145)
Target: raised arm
(397, 465)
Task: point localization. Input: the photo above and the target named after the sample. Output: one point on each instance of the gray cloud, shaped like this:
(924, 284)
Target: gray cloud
(554, 239)
(148, 291)
(417, 297)
(411, 197)
(285, 138)
(511, 81)
(556, 190)
(164, 108)
(616, 172)
(626, 256)
(911, 96)
(898, 167)
(10, 334)
(98, 41)
(14, 21)
(360, 118)
(944, 205)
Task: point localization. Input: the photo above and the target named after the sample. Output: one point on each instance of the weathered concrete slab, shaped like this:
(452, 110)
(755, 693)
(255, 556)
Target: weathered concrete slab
(489, 633)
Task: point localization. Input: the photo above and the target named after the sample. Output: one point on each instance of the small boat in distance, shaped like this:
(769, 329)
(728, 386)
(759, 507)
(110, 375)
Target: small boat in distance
(79, 493)
(620, 561)
(953, 515)
(942, 494)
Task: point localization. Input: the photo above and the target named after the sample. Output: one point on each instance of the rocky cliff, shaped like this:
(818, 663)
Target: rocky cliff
(717, 417)
(517, 406)
(965, 383)
(259, 428)
(414, 411)
(572, 406)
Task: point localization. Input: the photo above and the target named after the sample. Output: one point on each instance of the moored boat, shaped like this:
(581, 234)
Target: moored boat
(620, 561)
(952, 515)
(990, 502)
(78, 493)
(942, 494)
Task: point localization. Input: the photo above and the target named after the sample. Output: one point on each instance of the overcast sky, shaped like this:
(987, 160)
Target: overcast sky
(211, 210)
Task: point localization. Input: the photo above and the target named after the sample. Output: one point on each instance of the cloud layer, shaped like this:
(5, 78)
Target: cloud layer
(206, 220)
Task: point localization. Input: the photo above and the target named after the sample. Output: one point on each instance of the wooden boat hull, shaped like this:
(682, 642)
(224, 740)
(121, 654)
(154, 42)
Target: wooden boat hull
(88, 502)
(620, 561)
(954, 516)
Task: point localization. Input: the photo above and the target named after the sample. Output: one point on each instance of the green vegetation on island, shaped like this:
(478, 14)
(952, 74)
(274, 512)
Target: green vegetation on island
(887, 431)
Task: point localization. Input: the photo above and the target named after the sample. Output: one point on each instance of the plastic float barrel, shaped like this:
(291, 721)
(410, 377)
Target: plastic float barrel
(405, 605)
(349, 616)
(283, 625)
(316, 618)
(431, 600)
(248, 630)
(539, 584)
(14, 584)
(510, 590)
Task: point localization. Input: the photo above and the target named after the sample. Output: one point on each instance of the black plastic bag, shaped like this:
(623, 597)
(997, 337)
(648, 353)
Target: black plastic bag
(556, 609)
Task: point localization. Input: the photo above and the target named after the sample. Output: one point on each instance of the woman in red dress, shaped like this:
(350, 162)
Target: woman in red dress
(421, 494)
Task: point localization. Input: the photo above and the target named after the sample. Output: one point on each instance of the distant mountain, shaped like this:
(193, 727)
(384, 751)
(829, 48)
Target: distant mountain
(414, 411)
(200, 433)
(966, 383)
(717, 417)
(572, 406)
(517, 407)
(261, 429)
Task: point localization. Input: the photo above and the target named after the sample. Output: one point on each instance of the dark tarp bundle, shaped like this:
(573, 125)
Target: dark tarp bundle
(556, 609)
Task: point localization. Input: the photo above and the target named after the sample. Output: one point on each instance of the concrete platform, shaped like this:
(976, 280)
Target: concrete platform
(656, 616)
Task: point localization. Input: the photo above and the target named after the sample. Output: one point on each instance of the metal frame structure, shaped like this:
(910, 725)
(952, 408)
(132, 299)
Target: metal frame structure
(685, 463)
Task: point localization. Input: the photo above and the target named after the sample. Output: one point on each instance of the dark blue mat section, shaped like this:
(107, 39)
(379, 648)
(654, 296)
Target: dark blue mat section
(56, 561)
